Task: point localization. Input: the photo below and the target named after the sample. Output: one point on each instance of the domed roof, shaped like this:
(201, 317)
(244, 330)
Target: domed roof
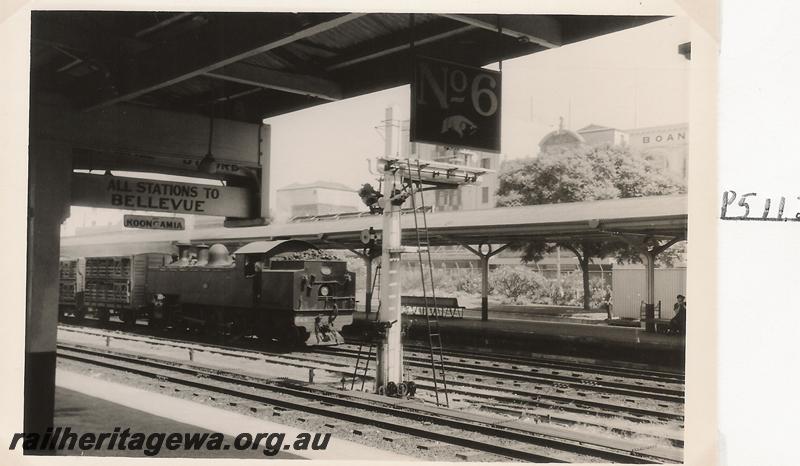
(561, 137)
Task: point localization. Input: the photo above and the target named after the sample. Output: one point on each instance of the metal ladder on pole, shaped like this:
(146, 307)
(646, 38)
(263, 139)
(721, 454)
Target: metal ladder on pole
(431, 311)
(363, 358)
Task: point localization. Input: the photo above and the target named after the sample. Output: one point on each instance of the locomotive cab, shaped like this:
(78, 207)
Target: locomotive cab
(297, 276)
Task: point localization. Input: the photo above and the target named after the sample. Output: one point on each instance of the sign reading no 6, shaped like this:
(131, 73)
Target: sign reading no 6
(455, 105)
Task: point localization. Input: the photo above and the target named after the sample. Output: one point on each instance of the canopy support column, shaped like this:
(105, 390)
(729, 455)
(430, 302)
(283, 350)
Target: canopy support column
(48, 206)
(649, 259)
(484, 252)
(649, 248)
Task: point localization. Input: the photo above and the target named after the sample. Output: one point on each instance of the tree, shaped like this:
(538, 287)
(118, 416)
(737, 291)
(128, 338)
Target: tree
(582, 174)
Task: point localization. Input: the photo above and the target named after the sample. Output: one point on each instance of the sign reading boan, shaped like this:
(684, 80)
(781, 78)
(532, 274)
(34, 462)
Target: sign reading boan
(160, 196)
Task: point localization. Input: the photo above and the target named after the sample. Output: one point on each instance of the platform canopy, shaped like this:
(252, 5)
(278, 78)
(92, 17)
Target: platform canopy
(658, 217)
(255, 65)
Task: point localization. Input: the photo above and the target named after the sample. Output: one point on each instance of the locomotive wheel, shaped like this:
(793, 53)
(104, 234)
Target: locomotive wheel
(402, 389)
(380, 390)
(103, 315)
(391, 389)
(412, 389)
(265, 335)
(209, 328)
(128, 316)
(293, 338)
(79, 313)
(155, 323)
(302, 336)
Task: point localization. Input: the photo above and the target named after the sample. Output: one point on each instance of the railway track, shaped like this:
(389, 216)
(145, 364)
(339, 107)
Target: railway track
(573, 380)
(660, 385)
(555, 362)
(516, 440)
(537, 404)
(533, 395)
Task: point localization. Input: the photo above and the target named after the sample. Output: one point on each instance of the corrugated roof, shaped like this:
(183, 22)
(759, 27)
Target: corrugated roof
(267, 64)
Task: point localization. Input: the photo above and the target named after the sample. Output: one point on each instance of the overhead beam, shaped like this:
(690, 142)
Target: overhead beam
(258, 76)
(397, 47)
(229, 41)
(538, 30)
(162, 24)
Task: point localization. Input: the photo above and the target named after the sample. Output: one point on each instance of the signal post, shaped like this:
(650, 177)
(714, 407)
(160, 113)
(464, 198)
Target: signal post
(397, 174)
(451, 104)
(390, 349)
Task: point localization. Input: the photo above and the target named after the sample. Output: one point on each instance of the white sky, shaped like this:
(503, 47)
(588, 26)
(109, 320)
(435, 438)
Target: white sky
(633, 78)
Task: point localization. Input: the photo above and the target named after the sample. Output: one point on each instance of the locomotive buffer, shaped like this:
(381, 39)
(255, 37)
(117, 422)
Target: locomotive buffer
(404, 179)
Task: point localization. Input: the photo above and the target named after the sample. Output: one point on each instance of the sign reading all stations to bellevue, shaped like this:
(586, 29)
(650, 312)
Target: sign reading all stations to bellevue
(147, 222)
(160, 196)
(455, 105)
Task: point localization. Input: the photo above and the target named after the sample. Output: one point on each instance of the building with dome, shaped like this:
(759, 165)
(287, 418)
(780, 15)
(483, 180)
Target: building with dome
(667, 144)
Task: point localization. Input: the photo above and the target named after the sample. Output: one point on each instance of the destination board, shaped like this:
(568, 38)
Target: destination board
(117, 192)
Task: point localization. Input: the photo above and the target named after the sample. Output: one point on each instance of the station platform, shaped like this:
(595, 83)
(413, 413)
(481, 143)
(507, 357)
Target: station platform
(588, 339)
(88, 404)
(83, 413)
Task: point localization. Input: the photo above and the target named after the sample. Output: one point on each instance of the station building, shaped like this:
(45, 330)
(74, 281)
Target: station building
(317, 198)
(666, 144)
(483, 195)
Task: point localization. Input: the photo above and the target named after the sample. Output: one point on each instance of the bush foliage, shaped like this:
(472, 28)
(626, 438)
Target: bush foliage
(509, 285)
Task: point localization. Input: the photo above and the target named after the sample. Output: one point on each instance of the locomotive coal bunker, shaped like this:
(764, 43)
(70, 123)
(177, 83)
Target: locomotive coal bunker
(288, 291)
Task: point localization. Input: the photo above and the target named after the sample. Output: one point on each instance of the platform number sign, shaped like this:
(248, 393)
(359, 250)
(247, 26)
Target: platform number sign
(455, 105)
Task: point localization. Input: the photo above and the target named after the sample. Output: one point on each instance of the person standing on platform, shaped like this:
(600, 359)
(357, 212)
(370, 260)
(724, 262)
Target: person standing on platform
(607, 303)
(678, 323)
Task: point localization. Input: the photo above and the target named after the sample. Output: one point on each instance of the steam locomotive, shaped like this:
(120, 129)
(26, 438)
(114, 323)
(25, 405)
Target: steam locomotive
(288, 291)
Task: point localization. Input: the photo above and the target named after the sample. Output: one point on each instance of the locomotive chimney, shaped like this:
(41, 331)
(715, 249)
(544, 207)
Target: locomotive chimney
(202, 254)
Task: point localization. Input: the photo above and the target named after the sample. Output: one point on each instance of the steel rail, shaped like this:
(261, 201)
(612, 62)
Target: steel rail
(611, 409)
(658, 393)
(535, 398)
(574, 365)
(625, 389)
(599, 368)
(598, 451)
(649, 374)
